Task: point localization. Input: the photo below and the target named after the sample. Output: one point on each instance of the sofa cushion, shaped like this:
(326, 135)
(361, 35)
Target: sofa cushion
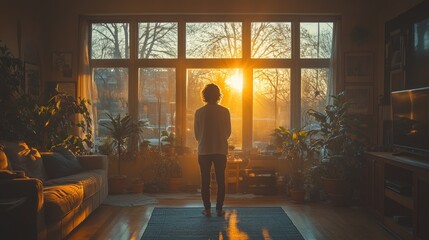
(91, 181)
(61, 199)
(23, 158)
(58, 165)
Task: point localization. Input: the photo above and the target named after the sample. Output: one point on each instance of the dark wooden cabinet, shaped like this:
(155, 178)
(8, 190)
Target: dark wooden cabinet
(398, 193)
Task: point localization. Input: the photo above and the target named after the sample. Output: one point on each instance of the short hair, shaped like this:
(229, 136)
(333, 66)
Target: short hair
(211, 93)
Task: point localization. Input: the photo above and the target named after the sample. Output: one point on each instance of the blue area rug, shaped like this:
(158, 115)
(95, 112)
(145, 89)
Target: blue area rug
(238, 223)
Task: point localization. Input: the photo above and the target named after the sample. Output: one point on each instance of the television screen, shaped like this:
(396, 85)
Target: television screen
(410, 115)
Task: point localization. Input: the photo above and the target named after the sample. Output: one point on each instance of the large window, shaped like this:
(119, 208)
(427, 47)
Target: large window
(154, 67)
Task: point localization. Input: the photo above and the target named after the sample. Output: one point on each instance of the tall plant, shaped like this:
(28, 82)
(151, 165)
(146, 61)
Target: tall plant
(121, 130)
(341, 139)
(11, 80)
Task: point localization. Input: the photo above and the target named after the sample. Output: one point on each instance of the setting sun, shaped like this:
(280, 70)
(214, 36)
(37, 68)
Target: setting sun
(235, 81)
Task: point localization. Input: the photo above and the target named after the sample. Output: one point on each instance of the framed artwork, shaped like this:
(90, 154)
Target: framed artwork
(360, 99)
(62, 65)
(358, 67)
(68, 88)
(32, 80)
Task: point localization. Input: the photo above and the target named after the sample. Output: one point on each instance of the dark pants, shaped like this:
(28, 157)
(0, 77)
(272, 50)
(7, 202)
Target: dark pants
(219, 162)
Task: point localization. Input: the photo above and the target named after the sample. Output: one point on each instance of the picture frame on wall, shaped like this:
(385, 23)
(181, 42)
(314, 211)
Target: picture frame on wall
(360, 99)
(62, 65)
(32, 80)
(358, 67)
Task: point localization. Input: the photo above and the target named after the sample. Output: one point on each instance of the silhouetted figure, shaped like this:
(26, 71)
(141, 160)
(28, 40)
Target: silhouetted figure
(212, 128)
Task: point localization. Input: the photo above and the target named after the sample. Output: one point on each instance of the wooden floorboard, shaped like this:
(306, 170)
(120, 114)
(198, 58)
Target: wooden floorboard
(315, 220)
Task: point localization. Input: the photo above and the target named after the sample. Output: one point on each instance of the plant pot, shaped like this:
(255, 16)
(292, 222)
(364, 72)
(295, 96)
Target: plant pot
(337, 191)
(175, 184)
(297, 195)
(117, 184)
(138, 187)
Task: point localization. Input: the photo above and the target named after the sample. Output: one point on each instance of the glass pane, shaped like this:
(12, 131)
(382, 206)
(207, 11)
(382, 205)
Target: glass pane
(271, 40)
(110, 41)
(112, 97)
(271, 104)
(316, 40)
(157, 40)
(230, 82)
(157, 101)
(314, 90)
(213, 40)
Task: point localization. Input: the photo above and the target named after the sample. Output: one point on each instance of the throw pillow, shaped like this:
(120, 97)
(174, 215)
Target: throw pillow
(58, 165)
(23, 158)
(4, 165)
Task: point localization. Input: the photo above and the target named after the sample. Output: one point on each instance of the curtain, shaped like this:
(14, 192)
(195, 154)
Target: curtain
(86, 86)
(334, 70)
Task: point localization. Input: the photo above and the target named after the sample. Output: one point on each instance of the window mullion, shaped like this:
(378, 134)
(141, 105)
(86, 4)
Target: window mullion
(181, 83)
(247, 108)
(133, 89)
(295, 88)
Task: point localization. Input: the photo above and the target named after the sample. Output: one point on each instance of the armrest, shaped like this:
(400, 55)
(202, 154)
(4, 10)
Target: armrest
(27, 193)
(91, 162)
(31, 188)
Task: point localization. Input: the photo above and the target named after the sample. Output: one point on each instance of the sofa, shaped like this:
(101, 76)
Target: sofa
(47, 195)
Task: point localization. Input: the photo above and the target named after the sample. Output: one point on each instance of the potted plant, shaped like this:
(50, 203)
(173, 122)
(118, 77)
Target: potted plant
(175, 181)
(297, 150)
(341, 148)
(43, 125)
(159, 171)
(120, 130)
(137, 185)
(169, 138)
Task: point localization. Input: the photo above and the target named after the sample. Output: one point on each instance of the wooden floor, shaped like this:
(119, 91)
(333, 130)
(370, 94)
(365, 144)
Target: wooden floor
(314, 220)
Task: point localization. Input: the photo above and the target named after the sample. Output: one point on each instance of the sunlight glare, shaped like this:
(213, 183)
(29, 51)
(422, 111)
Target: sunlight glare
(234, 233)
(235, 81)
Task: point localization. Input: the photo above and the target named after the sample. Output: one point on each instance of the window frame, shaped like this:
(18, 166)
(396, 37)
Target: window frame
(246, 62)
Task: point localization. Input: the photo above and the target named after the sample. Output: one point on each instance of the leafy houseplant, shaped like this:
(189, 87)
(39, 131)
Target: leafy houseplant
(11, 80)
(53, 124)
(120, 130)
(41, 125)
(169, 138)
(341, 143)
(298, 151)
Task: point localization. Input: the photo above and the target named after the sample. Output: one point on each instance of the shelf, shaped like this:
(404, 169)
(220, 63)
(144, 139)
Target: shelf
(403, 232)
(400, 199)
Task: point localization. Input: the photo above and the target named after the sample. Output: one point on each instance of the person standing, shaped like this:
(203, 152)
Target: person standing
(212, 128)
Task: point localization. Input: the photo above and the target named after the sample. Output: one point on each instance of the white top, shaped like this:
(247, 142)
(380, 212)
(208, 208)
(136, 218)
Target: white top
(212, 128)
